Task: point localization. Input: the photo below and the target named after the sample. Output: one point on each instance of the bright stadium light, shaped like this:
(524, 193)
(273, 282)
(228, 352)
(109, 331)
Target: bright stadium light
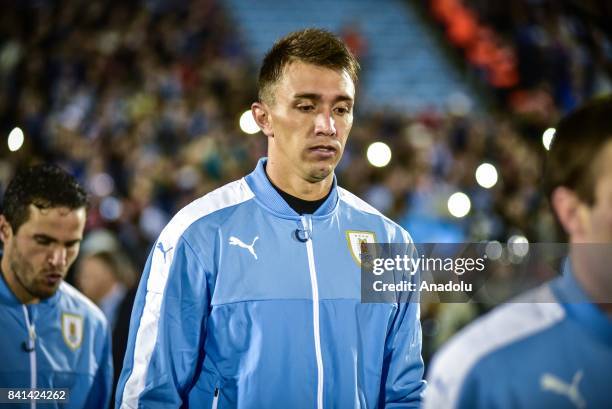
(547, 137)
(494, 250)
(110, 208)
(15, 139)
(459, 204)
(486, 175)
(102, 184)
(518, 245)
(247, 123)
(379, 154)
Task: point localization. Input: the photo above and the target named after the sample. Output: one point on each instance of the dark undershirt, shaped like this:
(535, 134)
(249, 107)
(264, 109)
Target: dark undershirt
(300, 206)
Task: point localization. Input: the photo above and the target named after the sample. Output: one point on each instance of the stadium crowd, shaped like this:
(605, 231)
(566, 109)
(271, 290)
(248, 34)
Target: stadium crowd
(540, 56)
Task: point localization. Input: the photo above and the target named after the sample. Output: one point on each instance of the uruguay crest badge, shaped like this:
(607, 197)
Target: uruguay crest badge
(72, 330)
(356, 241)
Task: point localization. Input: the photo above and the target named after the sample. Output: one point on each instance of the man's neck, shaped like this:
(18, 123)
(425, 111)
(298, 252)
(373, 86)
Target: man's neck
(298, 186)
(587, 277)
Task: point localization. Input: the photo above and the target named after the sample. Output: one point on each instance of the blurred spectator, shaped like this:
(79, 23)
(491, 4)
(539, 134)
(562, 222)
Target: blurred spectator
(538, 50)
(108, 279)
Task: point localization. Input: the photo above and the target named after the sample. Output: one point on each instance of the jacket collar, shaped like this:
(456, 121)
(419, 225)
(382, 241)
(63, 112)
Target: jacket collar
(269, 198)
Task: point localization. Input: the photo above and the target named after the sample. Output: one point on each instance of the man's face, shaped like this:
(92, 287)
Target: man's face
(598, 218)
(309, 120)
(38, 256)
(591, 234)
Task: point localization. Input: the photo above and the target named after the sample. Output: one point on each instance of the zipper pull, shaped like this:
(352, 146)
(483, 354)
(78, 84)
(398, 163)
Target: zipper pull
(215, 401)
(304, 233)
(32, 333)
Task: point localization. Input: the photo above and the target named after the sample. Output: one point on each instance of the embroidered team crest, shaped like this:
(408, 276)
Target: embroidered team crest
(72, 330)
(356, 241)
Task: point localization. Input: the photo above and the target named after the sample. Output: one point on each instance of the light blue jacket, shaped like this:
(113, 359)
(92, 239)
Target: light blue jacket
(551, 348)
(71, 348)
(243, 303)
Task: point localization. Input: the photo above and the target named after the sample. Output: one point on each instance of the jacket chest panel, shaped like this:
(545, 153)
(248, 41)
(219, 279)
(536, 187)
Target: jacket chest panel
(261, 260)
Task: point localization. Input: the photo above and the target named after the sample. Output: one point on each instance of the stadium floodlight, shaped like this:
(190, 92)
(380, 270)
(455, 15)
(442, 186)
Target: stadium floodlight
(111, 208)
(248, 124)
(486, 175)
(101, 184)
(518, 245)
(547, 137)
(459, 204)
(15, 139)
(379, 154)
(494, 250)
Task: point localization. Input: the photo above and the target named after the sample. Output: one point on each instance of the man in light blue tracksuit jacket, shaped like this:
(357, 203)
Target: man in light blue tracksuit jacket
(552, 347)
(250, 297)
(51, 336)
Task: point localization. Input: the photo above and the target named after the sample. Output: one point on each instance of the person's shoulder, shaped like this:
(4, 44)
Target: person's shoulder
(75, 301)
(520, 318)
(225, 197)
(361, 206)
(515, 322)
(357, 203)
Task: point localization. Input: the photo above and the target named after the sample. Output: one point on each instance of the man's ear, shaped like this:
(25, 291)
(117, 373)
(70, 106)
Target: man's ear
(569, 210)
(262, 118)
(6, 231)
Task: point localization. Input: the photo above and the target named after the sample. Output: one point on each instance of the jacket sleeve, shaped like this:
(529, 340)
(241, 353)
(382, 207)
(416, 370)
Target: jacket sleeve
(402, 377)
(402, 381)
(101, 390)
(455, 378)
(446, 391)
(167, 329)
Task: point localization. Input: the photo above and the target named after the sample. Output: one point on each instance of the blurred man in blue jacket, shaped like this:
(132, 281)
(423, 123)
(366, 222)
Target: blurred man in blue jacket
(251, 296)
(552, 347)
(52, 335)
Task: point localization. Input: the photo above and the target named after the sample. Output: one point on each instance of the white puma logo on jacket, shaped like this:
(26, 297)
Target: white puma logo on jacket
(234, 241)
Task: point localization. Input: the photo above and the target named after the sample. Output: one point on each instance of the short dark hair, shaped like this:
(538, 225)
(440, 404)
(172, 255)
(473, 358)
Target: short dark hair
(579, 138)
(311, 45)
(45, 186)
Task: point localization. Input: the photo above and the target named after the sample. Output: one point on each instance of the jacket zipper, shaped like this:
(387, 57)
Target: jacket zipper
(215, 401)
(307, 224)
(31, 347)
